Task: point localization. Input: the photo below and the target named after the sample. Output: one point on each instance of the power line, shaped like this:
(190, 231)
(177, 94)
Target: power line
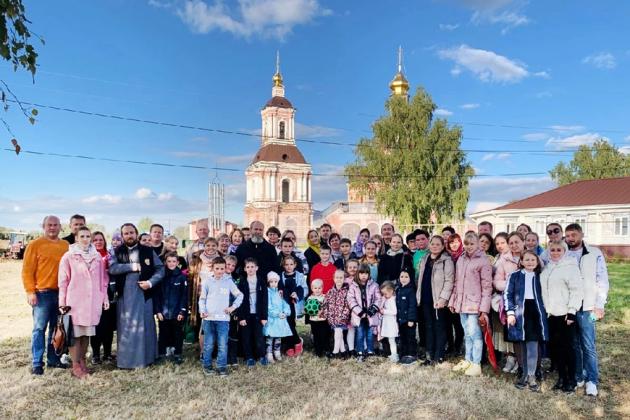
(216, 168)
(247, 134)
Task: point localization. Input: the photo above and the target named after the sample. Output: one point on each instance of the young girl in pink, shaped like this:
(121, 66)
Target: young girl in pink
(337, 312)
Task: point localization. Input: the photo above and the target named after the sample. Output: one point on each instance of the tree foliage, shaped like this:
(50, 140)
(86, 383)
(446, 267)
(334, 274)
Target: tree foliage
(602, 160)
(144, 225)
(413, 165)
(16, 48)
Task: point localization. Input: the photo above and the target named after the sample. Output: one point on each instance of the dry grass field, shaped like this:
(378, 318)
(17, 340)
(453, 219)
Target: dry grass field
(299, 388)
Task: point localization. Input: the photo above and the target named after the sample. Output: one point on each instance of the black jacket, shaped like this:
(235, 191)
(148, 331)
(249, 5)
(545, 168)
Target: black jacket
(340, 263)
(262, 297)
(312, 258)
(389, 267)
(298, 262)
(265, 255)
(288, 285)
(171, 299)
(406, 304)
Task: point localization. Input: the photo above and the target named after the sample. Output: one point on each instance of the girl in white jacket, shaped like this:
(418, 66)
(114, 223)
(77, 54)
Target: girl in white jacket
(562, 292)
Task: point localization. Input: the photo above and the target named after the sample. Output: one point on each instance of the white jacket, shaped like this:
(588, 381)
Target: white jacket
(595, 276)
(562, 287)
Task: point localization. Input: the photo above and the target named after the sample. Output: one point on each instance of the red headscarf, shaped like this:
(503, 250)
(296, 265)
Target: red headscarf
(460, 250)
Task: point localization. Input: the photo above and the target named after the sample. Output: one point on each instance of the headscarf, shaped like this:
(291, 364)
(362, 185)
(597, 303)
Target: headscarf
(358, 246)
(315, 246)
(455, 254)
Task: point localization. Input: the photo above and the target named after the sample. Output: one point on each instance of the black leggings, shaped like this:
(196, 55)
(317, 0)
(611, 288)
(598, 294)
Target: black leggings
(561, 337)
(104, 333)
(407, 340)
(435, 321)
(290, 341)
(321, 337)
(171, 335)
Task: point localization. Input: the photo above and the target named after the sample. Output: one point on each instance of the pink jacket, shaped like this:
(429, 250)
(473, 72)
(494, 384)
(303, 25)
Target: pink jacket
(83, 285)
(354, 301)
(505, 265)
(472, 292)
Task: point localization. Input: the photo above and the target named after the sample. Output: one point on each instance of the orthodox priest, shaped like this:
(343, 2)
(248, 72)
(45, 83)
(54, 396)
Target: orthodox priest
(138, 271)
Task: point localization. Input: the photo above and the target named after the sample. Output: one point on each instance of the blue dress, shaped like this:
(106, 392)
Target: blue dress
(276, 326)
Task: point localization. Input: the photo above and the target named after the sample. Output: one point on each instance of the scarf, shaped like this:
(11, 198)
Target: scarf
(315, 246)
(393, 253)
(456, 254)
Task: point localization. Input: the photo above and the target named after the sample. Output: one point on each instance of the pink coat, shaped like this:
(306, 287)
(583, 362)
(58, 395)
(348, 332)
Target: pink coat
(505, 265)
(354, 301)
(83, 285)
(472, 292)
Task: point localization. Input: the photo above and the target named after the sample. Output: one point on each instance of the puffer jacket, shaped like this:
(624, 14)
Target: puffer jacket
(356, 305)
(442, 278)
(473, 284)
(562, 287)
(406, 304)
(335, 308)
(505, 265)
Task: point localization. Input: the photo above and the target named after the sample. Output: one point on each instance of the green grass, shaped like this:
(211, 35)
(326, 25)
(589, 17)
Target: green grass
(301, 388)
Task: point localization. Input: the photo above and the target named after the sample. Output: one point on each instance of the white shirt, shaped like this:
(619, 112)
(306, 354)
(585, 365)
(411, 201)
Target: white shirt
(529, 284)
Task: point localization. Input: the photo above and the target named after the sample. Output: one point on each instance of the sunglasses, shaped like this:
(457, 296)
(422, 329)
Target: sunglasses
(553, 231)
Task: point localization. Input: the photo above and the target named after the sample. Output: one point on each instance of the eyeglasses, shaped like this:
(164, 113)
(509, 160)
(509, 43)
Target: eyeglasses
(553, 231)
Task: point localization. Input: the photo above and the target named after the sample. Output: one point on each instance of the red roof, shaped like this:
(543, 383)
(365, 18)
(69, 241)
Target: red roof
(581, 193)
(279, 102)
(286, 153)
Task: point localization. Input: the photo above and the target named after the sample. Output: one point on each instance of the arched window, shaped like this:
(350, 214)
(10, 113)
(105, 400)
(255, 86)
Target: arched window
(281, 135)
(285, 190)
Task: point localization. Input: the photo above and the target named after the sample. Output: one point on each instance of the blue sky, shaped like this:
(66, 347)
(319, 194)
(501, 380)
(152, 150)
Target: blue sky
(558, 68)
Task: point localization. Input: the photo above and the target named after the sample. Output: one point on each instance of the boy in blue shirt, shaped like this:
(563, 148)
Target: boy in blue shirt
(215, 310)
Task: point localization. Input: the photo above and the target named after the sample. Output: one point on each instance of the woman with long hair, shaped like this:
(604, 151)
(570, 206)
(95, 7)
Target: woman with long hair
(371, 258)
(455, 246)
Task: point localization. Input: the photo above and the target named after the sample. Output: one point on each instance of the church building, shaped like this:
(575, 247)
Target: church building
(279, 178)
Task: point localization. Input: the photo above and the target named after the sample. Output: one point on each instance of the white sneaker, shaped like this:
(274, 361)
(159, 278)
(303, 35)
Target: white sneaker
(580, 384)
(277, 355)
(515, 368)
(509, 364)
(393, 358)
(591, 389)
(270, 357)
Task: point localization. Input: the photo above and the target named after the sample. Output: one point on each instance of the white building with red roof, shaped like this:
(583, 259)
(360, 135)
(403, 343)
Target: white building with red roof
(600, 206)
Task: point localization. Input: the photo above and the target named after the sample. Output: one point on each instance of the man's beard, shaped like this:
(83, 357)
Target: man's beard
(575, 245)
(131, 242)
(257, 239)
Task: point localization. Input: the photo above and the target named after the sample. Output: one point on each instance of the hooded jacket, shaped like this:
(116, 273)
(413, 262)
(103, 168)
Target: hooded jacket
(473, 285)
(562, 287)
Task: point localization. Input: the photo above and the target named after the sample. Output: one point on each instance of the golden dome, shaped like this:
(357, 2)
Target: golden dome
(399, 85)
(277, 79)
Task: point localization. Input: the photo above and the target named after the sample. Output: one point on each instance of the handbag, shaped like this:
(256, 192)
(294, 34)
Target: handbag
(62, 334)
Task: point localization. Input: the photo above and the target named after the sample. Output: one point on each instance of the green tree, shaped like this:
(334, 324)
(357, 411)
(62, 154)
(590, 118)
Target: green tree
(181, 232)
(413, 165)
(144, 224)
(602, 160)
(16, 48)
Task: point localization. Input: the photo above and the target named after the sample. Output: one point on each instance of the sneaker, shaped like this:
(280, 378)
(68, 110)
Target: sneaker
(223, 372)
(408, 360)
(580, 384)
(521, 383)
(517, 369)
(532, 384)
(393, 358)
(461, 366)
(251, 363)
(264, 361)
(559, 385)
(58, 365)
(110, 358)
(473, 370)
(427, 362)
(207, 370)
(290, 353)
(277, 355)
(37, 370)
(370, 354)
(360, 357)
(352, 353)
(509, 364)
(591, 389)
(569, 388)
(269, 357)
(299, 347)
(96, 360)
(178, 359)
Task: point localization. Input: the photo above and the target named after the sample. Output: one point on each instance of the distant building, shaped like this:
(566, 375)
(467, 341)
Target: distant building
(279, 178)
(601, 207)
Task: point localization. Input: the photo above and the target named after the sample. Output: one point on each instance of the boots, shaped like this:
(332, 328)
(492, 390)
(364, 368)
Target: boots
(83, 366)
(76, 371)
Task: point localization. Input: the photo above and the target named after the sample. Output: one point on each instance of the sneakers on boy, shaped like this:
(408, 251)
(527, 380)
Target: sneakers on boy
(223, 372)
(473, 370)
(461, 366)
(37, 370)
(580, 384)
(277, 355)
(251, 363)
(408, 360)
(207, 370)
(393, 358)
(533, 385)
(591, 389)
(264, 361)
(360, 357)
(521, 383)
(269, 358)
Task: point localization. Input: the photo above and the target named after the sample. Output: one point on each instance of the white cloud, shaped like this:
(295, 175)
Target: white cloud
(265, 18)
(572, 142)
(501, 190)
(543, 74)
(144, 193)
(105, 198)
(535, 136)
(486, 65)
(329, 186)
(440, 112)
(496, 156)
(469, 106)
(165, 196)
(315, 131)
(243, 159)
(565, 129)
(508, 19)
(448, 26)
(602, 60)
(625, 150)
(627, 138)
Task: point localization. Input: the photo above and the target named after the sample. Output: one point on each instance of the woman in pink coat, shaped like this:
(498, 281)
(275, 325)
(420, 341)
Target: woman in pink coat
(471, 300)
(83, 284)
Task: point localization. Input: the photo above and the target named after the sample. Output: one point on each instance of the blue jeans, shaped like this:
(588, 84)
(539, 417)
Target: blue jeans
(584, 347)
(215, 331)
(363, 336)
(472, 337)
(44, 315)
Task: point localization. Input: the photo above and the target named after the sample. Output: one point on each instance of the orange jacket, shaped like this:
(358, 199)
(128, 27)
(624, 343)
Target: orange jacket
(41, 264)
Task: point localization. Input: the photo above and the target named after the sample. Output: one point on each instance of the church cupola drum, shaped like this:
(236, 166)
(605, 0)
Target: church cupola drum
(279, 178)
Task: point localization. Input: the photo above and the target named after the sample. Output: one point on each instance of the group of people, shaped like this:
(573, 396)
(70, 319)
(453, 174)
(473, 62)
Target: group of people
(242, 294)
